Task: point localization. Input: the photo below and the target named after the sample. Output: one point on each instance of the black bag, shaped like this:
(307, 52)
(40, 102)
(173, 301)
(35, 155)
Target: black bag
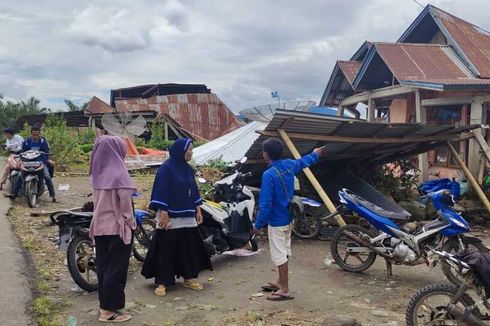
(479, 261)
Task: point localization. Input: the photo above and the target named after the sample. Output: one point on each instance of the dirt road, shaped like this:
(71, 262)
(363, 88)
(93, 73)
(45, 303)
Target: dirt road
(15, 294)
(231, 290)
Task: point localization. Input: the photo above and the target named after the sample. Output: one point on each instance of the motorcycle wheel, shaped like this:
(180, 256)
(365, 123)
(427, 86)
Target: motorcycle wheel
(306, 226)
(81, 262)
(142, 238)
(452, 246)
(429, 305)
(340, 243)
(13, 180)
(31, 193)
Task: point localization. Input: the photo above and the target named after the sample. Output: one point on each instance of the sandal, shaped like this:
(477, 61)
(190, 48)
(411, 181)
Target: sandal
(113, 318)
(280, 297)
(160, 291)
(193, 285)
(270, 287)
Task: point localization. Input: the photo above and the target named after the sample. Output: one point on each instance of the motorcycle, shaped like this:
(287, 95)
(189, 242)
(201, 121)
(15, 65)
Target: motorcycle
(227, 224)
(74, 238)
(13, 162)
(444, 304)
(32, 173)
(403, 243)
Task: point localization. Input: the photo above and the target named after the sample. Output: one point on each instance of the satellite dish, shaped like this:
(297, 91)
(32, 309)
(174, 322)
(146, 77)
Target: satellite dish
(123, 125)
(264, 113)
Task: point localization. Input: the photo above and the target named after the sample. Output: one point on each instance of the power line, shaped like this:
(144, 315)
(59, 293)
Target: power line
(418, 3)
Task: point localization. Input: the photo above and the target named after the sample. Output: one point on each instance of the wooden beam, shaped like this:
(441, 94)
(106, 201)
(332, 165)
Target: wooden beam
(455, 100)
(470, 177)
(340, 111)
(421, 117)
(482, 142)
(375, 140)
(314, 182)
(476, 116)
(389, 91)
(371, 110)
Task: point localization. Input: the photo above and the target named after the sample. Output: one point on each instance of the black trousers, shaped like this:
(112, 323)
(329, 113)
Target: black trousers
(112, 262)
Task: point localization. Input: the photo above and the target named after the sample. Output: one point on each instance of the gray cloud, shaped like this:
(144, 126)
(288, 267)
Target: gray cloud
(242, 50)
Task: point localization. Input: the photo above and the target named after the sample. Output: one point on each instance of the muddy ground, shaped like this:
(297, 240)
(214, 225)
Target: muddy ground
(231, 295)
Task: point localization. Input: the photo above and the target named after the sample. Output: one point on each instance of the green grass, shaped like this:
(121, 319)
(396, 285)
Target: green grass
(47, 313)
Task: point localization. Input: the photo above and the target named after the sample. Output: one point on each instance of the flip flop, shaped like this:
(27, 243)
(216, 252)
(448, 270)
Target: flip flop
(160, 292)
(280, 297)
(193, 286)
(269, 287)
(113, 318)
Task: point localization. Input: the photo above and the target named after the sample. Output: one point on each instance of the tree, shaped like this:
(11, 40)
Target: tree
(72, 107)
(11, 111)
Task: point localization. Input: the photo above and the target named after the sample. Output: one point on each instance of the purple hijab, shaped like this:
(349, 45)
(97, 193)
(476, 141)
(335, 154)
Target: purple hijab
(107, 168)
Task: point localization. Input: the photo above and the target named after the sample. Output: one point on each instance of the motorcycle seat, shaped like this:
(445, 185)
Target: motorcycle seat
(376, 209)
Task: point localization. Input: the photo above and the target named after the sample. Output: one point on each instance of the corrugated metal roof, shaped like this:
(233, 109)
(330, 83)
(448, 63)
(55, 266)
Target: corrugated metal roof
(203, 115)
(353, 152)
(420, 61)
(471, 39)
(350, 69)
(97, 106)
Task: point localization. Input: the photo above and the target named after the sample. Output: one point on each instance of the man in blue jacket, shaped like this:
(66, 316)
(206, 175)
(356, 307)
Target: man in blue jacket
(39, 143)
(276, 192)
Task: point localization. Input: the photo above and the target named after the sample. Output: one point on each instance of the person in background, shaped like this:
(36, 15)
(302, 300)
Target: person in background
(13, 145)
(276, 191)
(177, 249)
(38, 143)
(112, 224)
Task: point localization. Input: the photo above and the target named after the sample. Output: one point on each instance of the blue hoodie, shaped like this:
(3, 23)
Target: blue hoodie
(273, 203)
(175, 189)
(40, 145)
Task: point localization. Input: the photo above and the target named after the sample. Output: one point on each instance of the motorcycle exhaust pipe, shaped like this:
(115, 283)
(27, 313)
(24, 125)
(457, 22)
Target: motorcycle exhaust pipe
(469, 319)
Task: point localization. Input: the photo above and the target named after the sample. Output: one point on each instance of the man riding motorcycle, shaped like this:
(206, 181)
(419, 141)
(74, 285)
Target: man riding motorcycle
(39, 143)
(13, 145)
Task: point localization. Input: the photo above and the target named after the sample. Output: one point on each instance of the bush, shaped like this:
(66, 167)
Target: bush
(157, 140)
(63, 146)
(86, 148)
(86, 137)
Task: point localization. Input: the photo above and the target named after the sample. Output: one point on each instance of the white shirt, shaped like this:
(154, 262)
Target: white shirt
(15, 144)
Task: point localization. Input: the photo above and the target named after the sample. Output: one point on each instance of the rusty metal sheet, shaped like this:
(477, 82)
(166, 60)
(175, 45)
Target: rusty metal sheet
(97, 106)
(420, 61)
(204, 115)
(350, 69)
(472, 40)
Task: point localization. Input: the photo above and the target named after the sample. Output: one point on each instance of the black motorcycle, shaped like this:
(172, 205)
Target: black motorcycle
(74, 238)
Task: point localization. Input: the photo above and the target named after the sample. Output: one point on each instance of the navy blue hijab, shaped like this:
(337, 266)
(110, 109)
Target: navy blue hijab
(175, 189)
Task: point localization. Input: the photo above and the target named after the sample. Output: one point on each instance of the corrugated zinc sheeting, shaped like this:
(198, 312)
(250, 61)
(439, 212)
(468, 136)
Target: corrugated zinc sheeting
(204, 115)
(356, 150)
(350, 69)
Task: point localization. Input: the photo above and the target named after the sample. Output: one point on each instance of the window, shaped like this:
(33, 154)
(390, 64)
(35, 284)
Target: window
(443, 157)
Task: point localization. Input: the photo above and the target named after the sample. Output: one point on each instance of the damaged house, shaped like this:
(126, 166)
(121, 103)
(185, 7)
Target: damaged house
(437, 73)
(188, 110)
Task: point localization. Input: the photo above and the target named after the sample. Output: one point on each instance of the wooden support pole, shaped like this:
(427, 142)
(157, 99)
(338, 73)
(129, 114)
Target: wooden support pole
(476, 116)
(340, 111)
(482, 142)
(314, 182)
(421, 117)
(470, 177)
(371, 110)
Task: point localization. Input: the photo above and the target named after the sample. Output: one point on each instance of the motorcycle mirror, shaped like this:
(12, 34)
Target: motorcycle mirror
(201, 180)
(244, 159)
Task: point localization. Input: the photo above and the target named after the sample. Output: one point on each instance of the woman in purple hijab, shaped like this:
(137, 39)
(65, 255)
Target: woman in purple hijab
(112, 225)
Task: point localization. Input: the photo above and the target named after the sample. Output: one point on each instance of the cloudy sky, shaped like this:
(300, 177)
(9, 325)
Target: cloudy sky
(242, 50)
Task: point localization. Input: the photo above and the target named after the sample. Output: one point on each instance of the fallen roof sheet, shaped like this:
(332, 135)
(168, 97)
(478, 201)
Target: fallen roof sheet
(230, 147)
(350, 141)
(97, 106)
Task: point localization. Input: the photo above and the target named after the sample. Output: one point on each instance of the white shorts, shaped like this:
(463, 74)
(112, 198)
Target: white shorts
(280, 243)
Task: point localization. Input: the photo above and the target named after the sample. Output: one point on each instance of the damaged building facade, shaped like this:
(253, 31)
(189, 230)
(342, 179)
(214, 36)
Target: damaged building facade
(438, 72)
(187, 109)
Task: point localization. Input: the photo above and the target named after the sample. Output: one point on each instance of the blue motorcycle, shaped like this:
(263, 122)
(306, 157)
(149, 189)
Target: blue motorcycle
(398, 241)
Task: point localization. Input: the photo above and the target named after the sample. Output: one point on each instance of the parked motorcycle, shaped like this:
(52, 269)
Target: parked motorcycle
(74, 238)
(32, 173)
(227, 224)
(444, 304)
(355, 248)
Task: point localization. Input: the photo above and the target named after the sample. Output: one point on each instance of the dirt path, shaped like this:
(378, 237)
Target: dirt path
(15, 294)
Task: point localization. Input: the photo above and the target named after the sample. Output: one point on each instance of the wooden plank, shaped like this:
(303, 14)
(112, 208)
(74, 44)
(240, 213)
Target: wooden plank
(470, 177)
(476, 116)
(365, 140)
(482, 142)
(389, 91)
(314, 182)
(455, 100)
(371, 110)
(421, 117)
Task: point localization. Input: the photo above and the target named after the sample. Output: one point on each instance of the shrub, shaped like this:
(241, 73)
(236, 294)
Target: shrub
(86, 148)
(86, 137)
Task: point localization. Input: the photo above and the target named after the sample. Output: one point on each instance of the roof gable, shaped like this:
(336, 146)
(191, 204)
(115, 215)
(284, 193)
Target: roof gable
(471, 42)
(340, 83)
